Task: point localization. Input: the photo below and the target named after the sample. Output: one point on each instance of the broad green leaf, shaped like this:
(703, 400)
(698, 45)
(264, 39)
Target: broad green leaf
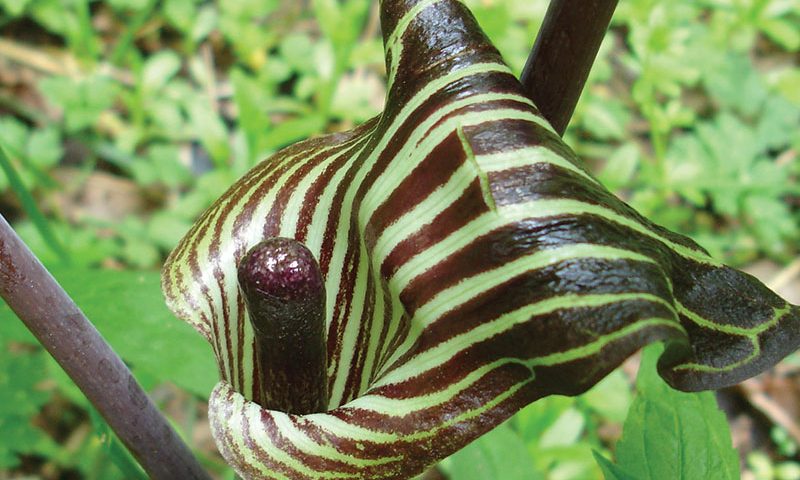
(85, 248)
(205, 22)
(44, 147)
(114, 448)
(534, 420)
(123, 5)
(180, 13)
(788, 83)
(15, 7)
(610, 470)
(734, 83)
(251, 97)
(621, 166)
(13, 134)
(298, 52)
(782, 31)
(672, 434)
(566, 430)
(21, 397)
(605, 118)
(499, 454)
(611, 398)
(128, 310)
(80, 101)
(293, 130)
(207, 125)
(776, 125)
(159, 69)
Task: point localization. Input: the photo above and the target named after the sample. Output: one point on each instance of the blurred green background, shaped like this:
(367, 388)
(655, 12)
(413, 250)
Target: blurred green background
(124, 119)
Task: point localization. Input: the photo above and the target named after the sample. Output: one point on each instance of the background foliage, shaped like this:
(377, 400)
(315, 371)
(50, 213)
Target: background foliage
(123, 120)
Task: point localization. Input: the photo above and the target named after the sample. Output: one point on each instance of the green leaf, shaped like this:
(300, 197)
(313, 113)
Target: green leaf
(166, 228)
(782, 31)
(86, 249)
(611, 398)
(787, 82)
(44, 147)
(621, 166)
(81, 101)
(21, 397)
(733, 82)
(249, 95)
(243, 24)
(777, 124)
(298, 51)
(122, 5)
(15, 7)
(114, 448)
(671, 434)
(205, 22)
(13, 134)
(159, 69)
(500, 453)
(566, 430)
(605, 118)
(207, 125)
(161, 165)
(52, 15)
(292, 130)
(30, 207)
(128, 310)
(180, 13)
(611, 471)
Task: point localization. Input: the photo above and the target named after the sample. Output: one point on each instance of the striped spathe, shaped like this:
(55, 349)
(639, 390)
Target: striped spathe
(472, 265)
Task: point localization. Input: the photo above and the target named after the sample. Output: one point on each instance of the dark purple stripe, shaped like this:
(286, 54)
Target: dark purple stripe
(519, 239)
(433, 172)
(540, 335)
(463, 210)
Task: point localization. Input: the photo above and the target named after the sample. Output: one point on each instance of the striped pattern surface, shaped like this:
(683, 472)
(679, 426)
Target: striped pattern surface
(472, 266)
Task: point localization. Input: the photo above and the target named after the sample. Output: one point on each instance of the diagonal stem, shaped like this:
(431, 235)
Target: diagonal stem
(59, 325)
(562, 56)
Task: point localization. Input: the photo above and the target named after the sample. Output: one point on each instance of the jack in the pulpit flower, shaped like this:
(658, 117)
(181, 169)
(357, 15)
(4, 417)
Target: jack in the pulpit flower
(437, 269)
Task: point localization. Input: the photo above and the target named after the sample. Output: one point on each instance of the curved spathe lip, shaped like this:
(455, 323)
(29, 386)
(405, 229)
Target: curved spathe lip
(472, 265)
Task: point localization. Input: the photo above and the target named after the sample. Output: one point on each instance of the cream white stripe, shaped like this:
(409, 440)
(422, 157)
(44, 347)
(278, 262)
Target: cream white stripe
(423, 141)
(459, 294)
(351, 324)
(423, 212)
(509, 214)
(527, 156)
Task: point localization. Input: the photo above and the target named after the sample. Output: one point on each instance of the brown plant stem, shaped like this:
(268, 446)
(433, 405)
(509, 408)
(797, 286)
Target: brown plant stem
(563, 54)
(65, 332)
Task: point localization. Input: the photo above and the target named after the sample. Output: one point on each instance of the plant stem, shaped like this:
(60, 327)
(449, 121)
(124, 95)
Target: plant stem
(562, 56)
(59, 325)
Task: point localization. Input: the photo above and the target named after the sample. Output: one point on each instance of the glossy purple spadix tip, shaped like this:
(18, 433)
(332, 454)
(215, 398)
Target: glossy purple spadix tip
(285, 295)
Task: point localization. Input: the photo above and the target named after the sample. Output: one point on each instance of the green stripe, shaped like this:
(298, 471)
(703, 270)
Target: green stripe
(483, 179)
(731, 329)
(434, 357)
(423, 212)
(528, 156)
(394, 47)
(751, 334)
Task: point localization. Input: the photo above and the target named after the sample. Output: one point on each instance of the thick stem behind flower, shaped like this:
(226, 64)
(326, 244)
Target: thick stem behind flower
(563, 55)
(285, 294)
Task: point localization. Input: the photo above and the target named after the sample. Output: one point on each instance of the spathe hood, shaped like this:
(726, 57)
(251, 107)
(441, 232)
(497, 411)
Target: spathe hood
(472, 265)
